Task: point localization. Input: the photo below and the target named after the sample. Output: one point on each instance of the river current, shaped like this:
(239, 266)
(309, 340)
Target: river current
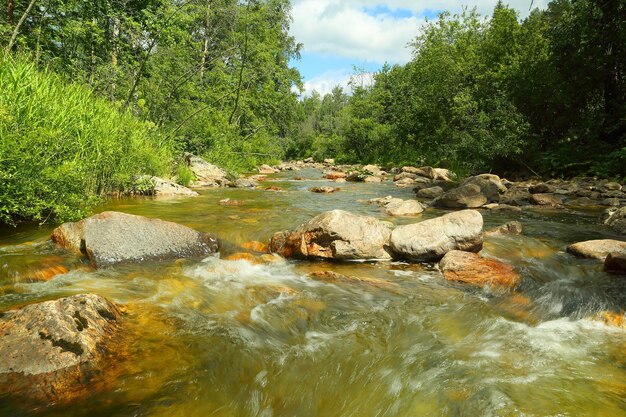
(217, 337)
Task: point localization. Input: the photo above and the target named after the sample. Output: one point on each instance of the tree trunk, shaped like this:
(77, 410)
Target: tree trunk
(10, 12)
(17, 27)
(116, 35)
(614, 106)
(207, 27)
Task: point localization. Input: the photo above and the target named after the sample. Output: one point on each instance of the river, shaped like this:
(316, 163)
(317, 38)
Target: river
(217, 337)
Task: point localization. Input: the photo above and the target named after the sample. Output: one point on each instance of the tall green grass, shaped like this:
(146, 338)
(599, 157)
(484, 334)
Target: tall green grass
(61, 147)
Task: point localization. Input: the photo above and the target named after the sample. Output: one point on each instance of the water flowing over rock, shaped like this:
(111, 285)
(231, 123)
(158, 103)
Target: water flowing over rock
(510, 228)
(615, 263)
(324, 189)
(57, 351)
(207, 174)
(431, 239)
(472, 268)
(111, 237)
(596, 249)
(335, 234)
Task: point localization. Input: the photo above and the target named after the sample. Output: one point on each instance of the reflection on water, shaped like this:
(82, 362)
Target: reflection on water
(217, 337)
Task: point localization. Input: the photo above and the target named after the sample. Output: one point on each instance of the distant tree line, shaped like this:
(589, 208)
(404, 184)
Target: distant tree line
(544, 94)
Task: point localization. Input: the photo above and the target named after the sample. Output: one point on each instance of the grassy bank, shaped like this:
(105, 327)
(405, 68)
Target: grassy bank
(61, 147)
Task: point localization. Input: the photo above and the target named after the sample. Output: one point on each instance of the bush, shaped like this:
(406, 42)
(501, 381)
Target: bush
(62, 147)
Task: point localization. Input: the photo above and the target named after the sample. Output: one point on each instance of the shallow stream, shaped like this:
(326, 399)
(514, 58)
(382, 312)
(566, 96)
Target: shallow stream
(217, 337)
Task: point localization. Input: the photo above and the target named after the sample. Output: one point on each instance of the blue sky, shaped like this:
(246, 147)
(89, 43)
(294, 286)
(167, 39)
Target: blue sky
(340, 34)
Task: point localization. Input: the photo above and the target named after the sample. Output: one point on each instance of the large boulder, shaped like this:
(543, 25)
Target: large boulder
(430, 192)
(596, 249)
(490, 185)
(430, 172)
(163, 187)
(465, 196)
(472, 268)
(266, 169)
(57, 351)
(111, 237)
(431, 239)
(615, 219)
(335, 234)
(207, 174)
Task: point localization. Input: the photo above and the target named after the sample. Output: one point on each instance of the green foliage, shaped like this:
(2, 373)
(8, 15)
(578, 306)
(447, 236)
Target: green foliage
(489, 94)
(62, 147)
(184, 175)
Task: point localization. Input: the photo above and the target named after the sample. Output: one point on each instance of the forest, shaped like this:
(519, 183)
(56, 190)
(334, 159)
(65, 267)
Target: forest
(95, 93)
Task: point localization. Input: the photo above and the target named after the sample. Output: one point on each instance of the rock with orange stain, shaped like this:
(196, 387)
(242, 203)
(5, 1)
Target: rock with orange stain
(253, 259)
(256, 246)
(273, 188)
(334, 277)
(335, 234)
(335, 175)
(472, 268)
(58, 351)
(612, 318)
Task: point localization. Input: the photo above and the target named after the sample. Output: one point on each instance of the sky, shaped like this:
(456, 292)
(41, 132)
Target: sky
(339, 35)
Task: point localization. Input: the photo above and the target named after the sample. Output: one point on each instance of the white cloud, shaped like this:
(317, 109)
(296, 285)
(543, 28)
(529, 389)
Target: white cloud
(342, 28)
(325, 82)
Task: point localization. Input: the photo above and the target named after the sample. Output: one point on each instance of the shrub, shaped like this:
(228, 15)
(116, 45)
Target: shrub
(61, 147)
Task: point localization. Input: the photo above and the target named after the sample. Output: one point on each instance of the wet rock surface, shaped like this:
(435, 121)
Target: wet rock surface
(111, 237)
(471, 268)
(615, 262)
(431, 239)
(57, 351)
(335, 234)
(596, 249)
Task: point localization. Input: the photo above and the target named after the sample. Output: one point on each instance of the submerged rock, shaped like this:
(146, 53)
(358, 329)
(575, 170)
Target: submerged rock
(615, 262)
(596, 249)
(57, 351)
(335, 234)
(472, 268)
(207, 174)
(111, 237)
(431, 239)
(510, 228)
(324, 189)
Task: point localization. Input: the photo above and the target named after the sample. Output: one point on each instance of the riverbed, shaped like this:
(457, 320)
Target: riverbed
(216, 337)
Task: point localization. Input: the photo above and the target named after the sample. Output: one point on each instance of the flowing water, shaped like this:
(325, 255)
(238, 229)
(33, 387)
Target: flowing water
(218, 337)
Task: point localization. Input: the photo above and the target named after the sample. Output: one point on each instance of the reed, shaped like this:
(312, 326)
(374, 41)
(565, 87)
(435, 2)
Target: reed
(62, 148)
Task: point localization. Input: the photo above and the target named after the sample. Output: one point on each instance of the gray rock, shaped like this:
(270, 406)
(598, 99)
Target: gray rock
(541, 188)
(335, 234)
(510, 228)
(615, 219)
(111, 237)
(404, 208)
(596, 249)
(57, 351)
(207, 175)
(431, 239)
(465, 196)
(167, 188)
(430, 192)
(545, 200)
(245, 183)
(515, 196)
(490, 185)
